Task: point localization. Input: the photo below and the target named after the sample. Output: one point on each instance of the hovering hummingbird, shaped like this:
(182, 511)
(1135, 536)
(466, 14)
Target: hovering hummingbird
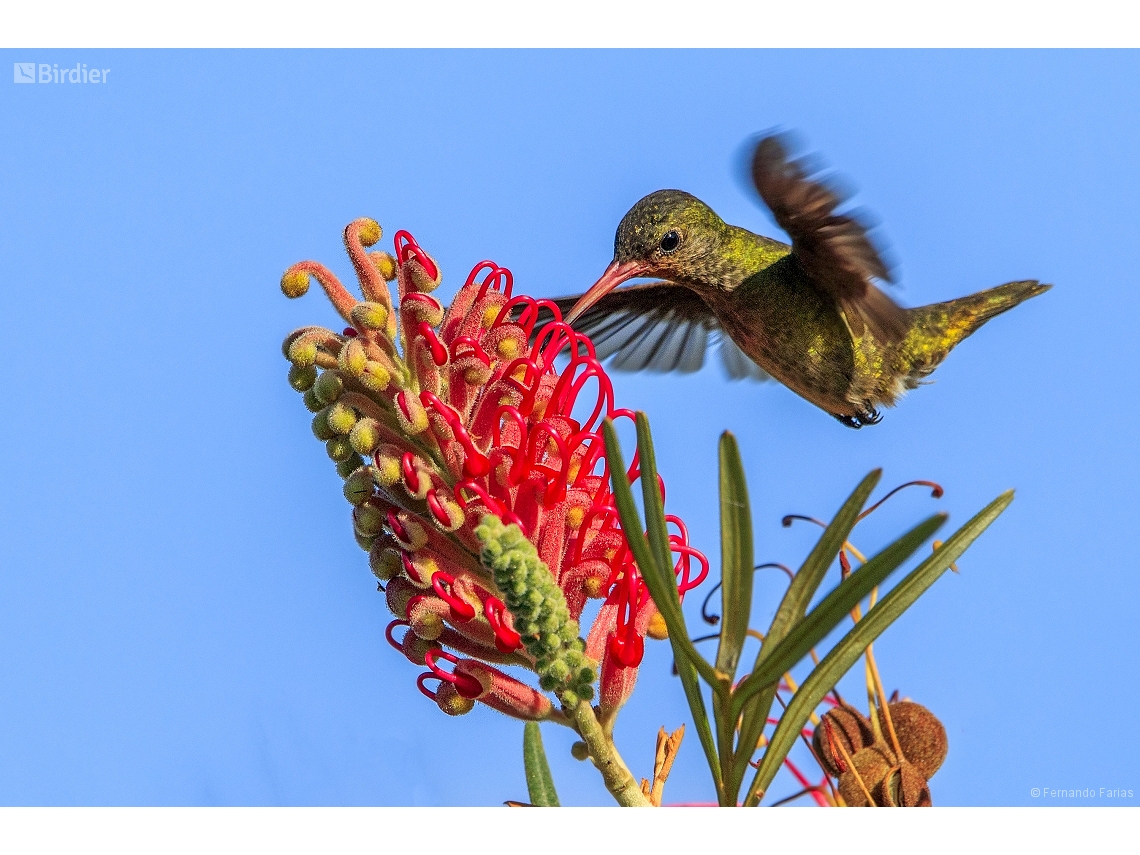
(809, 314)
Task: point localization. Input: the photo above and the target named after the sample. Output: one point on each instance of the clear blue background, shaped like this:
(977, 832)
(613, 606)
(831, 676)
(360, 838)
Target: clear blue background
(184, 617)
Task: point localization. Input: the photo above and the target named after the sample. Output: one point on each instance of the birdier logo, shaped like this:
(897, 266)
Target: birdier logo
(29, 72)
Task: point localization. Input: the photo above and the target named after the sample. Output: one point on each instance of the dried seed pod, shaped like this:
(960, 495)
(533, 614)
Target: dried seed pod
(841, 724)
(872, 764)
(904, 786)
(922, 737)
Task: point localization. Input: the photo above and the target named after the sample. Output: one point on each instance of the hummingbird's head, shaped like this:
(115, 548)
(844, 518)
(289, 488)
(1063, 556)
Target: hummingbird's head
(670, 234)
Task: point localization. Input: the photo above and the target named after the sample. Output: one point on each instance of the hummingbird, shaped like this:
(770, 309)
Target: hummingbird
(808, 314)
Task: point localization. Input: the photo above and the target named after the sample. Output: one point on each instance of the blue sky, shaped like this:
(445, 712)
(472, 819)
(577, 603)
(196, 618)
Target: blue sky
(184, 616)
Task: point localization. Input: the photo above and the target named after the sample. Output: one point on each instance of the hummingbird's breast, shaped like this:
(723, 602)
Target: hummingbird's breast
(792, 330)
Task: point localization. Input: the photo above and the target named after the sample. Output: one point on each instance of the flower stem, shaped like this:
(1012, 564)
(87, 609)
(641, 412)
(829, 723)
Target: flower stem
(617, 777)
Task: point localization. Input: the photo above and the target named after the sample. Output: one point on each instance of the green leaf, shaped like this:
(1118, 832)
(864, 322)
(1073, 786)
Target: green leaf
(539, 782)
(846, 653)
(664, 593)
(821, 620)
(736, 556)
(792, 609)
(656, 528)
(688, 674)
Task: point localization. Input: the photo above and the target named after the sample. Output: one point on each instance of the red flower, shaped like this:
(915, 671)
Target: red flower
(439, 417)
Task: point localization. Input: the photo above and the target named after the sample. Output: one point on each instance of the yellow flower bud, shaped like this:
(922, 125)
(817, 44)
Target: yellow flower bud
(341, 419)
(451, 702)
(365, 436)
(352, 358)
(294, 283)
(370, 316)
(375, 376)
(385, 264)
(303, 351)
(370, 231)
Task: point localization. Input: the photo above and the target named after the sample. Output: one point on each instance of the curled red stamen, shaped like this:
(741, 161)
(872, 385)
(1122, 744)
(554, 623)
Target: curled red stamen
(475, 463)
(406, 247)
(506, 639)
(397, 527)
(528, 317)
(426, 675)
(493, 504)
(527, 386)
(408, 470)
(569, 386)
(438, 351)
(438, 510)
(403, 405)
(465, 684)
(399, 645)
(411, 570)
(470, 348)
(498, 277)
(686, 552)
(442, 583)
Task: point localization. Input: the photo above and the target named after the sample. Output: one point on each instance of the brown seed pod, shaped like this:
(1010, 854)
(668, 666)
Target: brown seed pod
(903, 786)
(873, 765)
(922, 737)
(843, 723)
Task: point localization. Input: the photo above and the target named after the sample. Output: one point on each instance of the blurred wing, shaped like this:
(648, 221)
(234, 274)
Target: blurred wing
(833, 249)
(737, 364)
(657, 327)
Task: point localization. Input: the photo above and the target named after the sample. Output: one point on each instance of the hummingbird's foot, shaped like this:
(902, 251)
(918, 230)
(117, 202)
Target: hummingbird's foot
(861, 418)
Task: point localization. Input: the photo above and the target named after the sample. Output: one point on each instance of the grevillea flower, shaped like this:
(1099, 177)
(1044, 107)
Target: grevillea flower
(478, 480)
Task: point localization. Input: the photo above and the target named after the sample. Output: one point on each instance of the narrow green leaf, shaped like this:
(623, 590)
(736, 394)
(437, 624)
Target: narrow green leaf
(807, 580)
(656, 528)
(664, 594)
(792, 609)
(795, 602)
(846, 653)
(736, 556)
(821, 620)
(688, 675)
(539, 782)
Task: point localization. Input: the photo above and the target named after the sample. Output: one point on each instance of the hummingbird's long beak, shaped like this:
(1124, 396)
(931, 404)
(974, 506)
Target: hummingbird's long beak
(615, 275)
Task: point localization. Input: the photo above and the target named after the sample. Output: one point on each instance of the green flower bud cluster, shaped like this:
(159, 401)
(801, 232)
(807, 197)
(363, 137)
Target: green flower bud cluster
(539, 608)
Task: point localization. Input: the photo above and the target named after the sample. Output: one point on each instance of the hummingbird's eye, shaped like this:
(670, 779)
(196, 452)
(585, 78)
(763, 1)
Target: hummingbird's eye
(670, 242)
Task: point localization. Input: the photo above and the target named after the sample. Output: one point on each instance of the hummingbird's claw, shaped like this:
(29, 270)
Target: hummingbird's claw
(869, 416)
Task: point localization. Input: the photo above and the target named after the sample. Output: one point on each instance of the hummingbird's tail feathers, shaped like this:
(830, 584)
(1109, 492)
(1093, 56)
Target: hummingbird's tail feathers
(936, 329)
